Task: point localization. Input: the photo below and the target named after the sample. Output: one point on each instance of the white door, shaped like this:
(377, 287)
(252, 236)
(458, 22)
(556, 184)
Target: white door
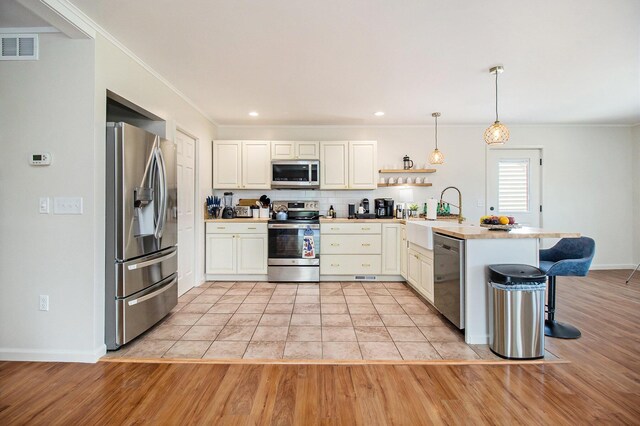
(363, 161)
(514, 184)
(256, 165)
(334, 165)
(227, 164)
(186, 211)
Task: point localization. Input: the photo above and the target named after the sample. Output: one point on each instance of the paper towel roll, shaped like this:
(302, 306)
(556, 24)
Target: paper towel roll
(432, 209)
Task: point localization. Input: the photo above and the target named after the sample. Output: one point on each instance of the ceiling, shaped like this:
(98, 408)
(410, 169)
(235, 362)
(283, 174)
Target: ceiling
(15, 15)
(336, 62)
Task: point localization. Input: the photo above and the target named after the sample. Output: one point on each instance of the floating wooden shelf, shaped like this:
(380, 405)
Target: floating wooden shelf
(404, 184)
(407, 171)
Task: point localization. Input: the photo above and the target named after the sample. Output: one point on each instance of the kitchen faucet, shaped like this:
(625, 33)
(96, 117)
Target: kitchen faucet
(459, 206)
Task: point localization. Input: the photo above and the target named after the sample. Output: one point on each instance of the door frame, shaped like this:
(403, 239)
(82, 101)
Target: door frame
(514, 148)
(198, 217)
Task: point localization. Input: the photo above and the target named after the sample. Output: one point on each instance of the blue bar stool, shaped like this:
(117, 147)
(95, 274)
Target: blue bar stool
(570, 257)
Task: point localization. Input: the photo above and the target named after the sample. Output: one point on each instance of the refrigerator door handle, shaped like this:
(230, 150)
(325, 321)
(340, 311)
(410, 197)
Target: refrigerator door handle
(146, 263)
(163, 192)
(153, 294)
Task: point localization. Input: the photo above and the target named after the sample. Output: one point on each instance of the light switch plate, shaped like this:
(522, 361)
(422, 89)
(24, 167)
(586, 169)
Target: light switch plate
(43, 205)
(67, 205)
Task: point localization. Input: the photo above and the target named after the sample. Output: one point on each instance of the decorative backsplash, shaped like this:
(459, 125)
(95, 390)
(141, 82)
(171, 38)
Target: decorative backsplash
(340, 199)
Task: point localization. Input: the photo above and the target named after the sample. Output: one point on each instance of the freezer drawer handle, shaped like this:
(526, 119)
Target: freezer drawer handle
(152, 295)
(151, 262)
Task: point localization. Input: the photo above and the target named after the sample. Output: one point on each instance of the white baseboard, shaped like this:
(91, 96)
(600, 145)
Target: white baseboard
(15, 354)
(610, 266)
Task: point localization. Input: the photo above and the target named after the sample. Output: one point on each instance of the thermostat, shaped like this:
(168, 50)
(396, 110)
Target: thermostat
(40, 159)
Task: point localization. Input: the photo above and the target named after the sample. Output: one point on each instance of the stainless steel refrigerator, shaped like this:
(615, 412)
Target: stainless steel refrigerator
(141, 232)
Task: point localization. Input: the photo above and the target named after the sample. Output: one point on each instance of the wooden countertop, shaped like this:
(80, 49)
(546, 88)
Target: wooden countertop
(240, 220)
(346, 220)
(477, 232)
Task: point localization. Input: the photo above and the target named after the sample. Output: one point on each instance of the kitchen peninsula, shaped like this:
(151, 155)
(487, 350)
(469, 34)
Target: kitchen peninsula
(482, 248)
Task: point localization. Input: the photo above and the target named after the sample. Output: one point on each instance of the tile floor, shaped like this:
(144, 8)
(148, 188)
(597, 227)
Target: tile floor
(337, 320)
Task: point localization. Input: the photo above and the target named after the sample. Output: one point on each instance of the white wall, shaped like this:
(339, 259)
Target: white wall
(586, 168)
(58, 104)
(635, 140)
(47, 105)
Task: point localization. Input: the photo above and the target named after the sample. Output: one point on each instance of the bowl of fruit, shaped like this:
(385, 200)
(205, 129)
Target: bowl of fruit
(499, 223)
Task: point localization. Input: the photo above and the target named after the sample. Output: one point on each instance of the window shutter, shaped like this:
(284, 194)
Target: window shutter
(513, 186)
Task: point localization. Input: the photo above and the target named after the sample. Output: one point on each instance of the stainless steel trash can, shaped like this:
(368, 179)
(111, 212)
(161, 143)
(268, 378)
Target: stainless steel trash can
(516, 306)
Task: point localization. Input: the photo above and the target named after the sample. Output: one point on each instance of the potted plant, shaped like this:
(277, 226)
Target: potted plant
(413, 209)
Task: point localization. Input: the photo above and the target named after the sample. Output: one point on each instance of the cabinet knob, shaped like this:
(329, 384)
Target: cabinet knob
(335, 264)
(222, 227)
(251, 227)
(365, 229)
(366, 265)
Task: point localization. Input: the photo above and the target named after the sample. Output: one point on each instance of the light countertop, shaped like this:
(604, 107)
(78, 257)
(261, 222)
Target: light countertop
(240, 220)
(477, 232)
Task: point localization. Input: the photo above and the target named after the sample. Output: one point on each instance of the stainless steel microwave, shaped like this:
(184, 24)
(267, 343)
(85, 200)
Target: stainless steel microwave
(295, 174)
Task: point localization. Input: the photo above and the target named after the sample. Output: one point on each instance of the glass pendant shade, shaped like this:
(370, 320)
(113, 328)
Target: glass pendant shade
(436, 157)
(496, 134)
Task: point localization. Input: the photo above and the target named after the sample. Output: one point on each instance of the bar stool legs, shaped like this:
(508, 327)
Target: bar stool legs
(553, 328)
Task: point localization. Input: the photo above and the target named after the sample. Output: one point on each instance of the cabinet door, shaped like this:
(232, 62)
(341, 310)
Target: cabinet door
(334, 165)
(363, 161)
(256, 165)
(283, 150)
(220, 254)
(307, 150)
(426, 277)
(390, 249)
(227, 164)
(414, 269)
(404, 258)
(252, 253)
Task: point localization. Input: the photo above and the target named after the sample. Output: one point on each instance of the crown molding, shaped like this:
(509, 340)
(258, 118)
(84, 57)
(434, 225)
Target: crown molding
(78, 18)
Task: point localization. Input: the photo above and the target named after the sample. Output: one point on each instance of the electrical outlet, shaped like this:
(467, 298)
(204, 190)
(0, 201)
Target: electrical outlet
(44, 302)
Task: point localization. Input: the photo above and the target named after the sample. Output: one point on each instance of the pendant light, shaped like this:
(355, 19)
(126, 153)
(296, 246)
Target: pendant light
(436, 156)
(497, 133)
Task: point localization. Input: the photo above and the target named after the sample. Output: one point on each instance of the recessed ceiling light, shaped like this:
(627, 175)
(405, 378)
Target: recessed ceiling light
(254, 113)
(379, 113)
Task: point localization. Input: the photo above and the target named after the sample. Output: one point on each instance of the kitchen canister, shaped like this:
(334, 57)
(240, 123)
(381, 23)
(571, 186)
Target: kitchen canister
(264, 213)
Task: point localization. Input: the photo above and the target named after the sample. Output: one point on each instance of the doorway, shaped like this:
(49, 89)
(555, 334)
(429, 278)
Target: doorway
(186, 211)
(514, 184)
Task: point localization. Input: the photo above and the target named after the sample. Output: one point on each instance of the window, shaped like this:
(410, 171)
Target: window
(513, 186)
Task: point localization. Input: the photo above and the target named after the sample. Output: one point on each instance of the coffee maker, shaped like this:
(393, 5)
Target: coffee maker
(228, 212)
(384, 208)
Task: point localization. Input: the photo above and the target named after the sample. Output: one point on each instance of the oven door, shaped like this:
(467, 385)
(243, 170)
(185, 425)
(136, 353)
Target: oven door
(295, 174)
(286, 244)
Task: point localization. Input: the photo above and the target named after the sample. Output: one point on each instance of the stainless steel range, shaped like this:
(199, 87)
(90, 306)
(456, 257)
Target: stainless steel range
(294, 242)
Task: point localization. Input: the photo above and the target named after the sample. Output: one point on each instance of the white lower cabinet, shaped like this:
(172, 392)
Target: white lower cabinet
(236, 248)
(390, 249)
(404, 251)
(420, 271)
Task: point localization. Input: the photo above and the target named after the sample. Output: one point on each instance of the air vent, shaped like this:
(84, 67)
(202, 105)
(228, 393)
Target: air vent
(365, 277)
(19, 47)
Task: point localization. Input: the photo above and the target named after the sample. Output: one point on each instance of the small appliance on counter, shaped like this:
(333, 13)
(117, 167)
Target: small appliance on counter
(228, 212)
(352, 211)
(384, 208)
(242, 211)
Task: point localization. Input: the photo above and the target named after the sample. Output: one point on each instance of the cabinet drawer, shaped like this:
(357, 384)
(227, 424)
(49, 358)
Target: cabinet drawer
(350, 264)
(236, 228)
(351, 244)
(350, 228)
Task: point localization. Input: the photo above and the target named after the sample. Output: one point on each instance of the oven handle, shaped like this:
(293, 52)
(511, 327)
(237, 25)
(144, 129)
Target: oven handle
(292, 226)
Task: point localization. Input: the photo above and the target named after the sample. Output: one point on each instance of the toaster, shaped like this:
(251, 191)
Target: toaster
(242, 211)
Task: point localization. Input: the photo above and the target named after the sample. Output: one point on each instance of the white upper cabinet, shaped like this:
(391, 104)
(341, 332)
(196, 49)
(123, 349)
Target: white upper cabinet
(256, 165)
(295, 150)
(334, 165)
(241, 164)
(363, 159)
(227, 164)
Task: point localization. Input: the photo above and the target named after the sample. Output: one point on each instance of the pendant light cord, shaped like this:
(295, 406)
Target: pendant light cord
(436, 132)
(497, 95)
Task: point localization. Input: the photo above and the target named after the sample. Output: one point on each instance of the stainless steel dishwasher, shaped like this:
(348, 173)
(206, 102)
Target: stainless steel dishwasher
(449, 285)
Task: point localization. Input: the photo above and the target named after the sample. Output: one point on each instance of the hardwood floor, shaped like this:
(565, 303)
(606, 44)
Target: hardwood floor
(601, 385)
